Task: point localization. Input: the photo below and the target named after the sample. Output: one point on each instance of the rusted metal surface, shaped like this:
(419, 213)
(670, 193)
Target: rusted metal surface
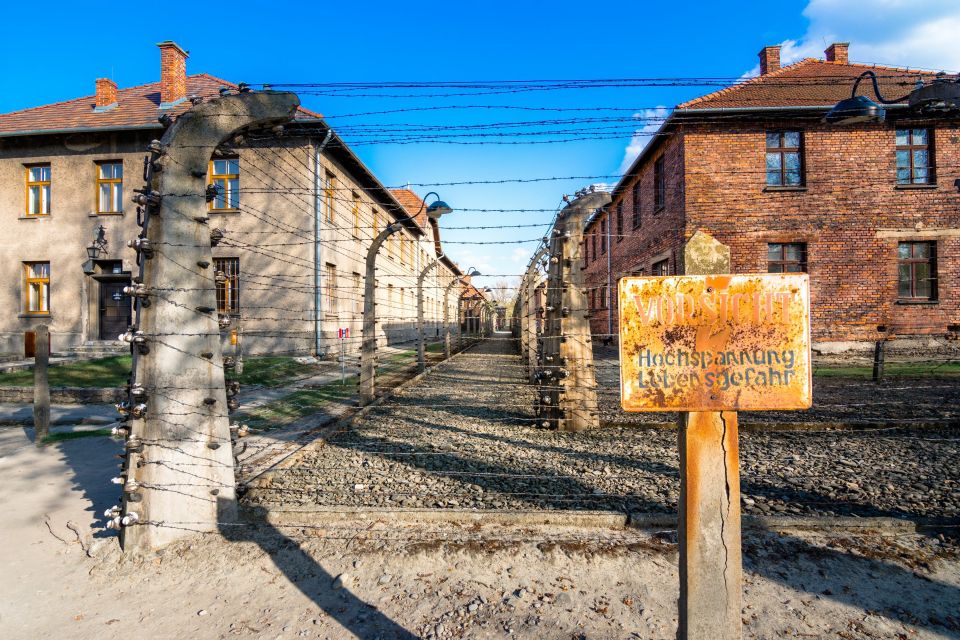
(715, 342)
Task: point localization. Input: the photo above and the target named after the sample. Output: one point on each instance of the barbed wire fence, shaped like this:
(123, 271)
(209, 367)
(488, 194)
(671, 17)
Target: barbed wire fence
(470, 434)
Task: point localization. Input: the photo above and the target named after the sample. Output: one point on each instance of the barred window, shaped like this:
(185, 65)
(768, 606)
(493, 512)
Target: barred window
(787, 257)
(917, 271)
(784, 159)
(914, 161)
(636, 205)
(228, 291)
(660, 268)
(620, 221)
(659, 185)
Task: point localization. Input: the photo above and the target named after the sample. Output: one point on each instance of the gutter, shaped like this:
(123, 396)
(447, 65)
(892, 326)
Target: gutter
(39, 132)
(317, 247)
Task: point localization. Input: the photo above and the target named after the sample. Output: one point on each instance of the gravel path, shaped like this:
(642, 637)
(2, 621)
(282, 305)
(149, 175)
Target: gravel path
(836, 401)
(465, 437)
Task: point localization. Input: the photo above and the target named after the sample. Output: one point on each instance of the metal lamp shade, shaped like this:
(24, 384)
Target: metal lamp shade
(438, 209)
(857, 109)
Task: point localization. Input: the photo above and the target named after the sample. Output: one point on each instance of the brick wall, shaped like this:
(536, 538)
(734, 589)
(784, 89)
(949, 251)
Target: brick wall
(658, 236)
(849, 212)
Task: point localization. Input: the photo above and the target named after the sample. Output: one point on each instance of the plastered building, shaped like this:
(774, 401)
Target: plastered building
(298, 211)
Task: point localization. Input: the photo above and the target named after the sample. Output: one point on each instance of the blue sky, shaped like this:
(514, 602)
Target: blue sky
(432, 41)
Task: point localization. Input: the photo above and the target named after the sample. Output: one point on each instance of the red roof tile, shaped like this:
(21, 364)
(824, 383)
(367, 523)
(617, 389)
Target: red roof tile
(412, 203)
(810, 82)
(136, 107)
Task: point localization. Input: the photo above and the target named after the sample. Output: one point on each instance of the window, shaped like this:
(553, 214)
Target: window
(661, 268)
(331, 288)
(586, 252)
(376, 223)
(38, 190)
(228, 291)
(787, 257)
(659, 185)
(636, 204)
(593, 246)
(36, 287)
(357, 294)
(917, 275)
(914, 164)
(620, 221)
(109, 187)
(225, 176)
(329, 184)
(356, 214)
(784, 160)
(603, 235)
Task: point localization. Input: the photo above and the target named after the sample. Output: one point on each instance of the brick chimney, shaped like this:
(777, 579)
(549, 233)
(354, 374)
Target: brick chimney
(173, 73)
(106, 94)
(769, 59)
(838, 52)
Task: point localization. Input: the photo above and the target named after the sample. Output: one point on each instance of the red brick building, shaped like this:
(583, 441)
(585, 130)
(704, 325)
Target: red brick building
(871, 211)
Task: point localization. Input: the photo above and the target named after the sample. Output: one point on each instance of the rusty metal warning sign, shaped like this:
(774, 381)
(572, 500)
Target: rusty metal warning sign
(715, 343)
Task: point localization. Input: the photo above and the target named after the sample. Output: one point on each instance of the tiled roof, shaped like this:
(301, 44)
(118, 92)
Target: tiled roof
(136, 107)
(412, 203)
(810, 83)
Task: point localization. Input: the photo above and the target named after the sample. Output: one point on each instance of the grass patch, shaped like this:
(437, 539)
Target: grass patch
(74, 435)
(891, 370)
(273, 371)
(296, 405)
(435, 347)
(102, 372)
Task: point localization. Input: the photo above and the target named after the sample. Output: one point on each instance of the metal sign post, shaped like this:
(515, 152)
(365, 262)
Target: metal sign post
(707, 346)
(343, 333)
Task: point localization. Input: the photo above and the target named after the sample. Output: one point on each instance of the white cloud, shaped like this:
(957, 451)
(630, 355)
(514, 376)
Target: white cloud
(904, 33)
(652, 118)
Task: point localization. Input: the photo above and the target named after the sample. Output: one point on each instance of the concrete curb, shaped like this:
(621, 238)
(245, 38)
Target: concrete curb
(335, 515)
(759, 427)
(790, 523)
(322, 515)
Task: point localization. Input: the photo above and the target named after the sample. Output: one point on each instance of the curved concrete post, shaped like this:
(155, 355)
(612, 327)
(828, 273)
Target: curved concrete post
(421, 347)
(446, 316)
(368, 346)
(185, 477)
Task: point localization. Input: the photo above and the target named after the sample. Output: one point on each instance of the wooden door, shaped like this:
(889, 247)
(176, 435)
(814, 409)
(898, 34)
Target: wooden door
(115, 309)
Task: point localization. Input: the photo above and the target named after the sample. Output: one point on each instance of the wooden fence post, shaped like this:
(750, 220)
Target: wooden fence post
(41, 385)
(709, 527)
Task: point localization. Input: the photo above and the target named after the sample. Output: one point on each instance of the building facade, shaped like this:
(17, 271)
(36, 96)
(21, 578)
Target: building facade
(870, 211)
(298, 211)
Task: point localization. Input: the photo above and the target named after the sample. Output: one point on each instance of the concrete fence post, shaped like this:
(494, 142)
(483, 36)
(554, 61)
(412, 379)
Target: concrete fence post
(568, 391)
(41, 385)
(179, 472)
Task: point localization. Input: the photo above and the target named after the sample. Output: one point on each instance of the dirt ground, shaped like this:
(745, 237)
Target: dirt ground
(64, 577)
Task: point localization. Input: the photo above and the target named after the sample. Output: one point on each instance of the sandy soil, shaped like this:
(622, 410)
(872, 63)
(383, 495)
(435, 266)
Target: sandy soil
(389, 581)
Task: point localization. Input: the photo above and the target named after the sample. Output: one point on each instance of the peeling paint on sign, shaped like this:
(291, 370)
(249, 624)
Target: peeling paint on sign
(715, 343)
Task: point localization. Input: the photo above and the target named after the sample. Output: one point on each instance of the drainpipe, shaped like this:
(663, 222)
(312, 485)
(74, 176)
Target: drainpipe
(609, 279)
(317, 213)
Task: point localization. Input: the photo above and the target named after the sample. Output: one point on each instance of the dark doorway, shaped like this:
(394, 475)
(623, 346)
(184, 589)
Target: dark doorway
(115, 310)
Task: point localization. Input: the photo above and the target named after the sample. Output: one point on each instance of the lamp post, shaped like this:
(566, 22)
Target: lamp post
(446, 310)
(941, 97)
(368, 345)
(98, 245)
